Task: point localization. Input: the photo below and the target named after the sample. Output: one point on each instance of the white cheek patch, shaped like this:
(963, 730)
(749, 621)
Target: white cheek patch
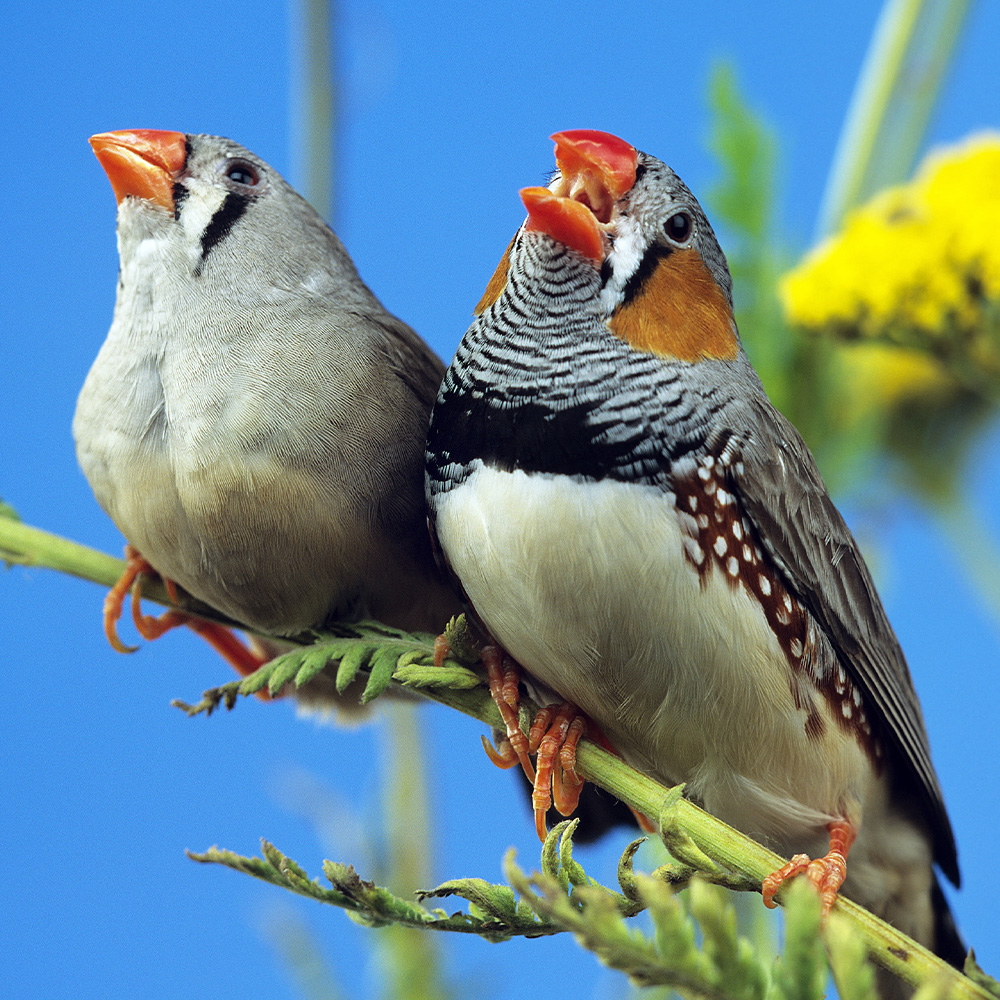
(197, 211)
(623, 259)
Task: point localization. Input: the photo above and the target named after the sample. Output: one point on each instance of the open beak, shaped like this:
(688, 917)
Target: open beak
(143, 163)
(595, 170)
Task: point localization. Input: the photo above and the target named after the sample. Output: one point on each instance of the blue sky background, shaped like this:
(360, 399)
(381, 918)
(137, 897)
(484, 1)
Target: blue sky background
(446, 110)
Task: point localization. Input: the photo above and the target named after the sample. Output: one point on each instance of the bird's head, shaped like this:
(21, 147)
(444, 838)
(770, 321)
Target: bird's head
(665, 285)
(219, 214)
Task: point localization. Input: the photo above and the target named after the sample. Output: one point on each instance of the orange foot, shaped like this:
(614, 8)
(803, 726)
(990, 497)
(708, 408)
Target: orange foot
(150, 627)
(555, 734)
(827, 874)
(553, 737)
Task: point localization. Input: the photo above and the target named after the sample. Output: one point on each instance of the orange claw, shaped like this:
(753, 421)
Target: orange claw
(502, 673)
(219, 637)
(827, 874)
(503, 755)
(135, 566)
(561, 727)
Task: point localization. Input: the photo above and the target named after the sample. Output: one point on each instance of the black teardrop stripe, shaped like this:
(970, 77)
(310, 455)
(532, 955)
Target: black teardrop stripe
(649, 263)
(223, 221)
(180, 193)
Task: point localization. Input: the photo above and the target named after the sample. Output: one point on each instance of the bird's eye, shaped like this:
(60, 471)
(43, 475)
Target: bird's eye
(678, 227)
(241, 172)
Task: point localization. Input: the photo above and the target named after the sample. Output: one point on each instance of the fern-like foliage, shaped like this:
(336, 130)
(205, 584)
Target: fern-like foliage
(382, 653)
(702, 845)
(694, 946)
(494, 912)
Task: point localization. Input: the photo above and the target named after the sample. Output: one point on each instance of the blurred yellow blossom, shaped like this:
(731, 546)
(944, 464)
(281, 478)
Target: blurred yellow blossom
(882, 376)
(918, 266)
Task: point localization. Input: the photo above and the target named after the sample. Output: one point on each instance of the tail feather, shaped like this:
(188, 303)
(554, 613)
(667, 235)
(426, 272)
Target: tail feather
(948, 943)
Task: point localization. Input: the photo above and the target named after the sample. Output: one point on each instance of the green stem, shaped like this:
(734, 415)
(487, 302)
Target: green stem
(940, 33)
(28, 546)
(411, 958)
(22, 545)
(899, 82)
(319, 104)
(974, 545)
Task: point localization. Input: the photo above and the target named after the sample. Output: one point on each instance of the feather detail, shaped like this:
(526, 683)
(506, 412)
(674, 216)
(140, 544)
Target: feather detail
(497, 283)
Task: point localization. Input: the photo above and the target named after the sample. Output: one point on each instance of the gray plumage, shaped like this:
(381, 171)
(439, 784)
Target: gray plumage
(254, 421)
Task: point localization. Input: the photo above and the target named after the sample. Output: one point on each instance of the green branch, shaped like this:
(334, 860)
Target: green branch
(22, 545)
(699, 841)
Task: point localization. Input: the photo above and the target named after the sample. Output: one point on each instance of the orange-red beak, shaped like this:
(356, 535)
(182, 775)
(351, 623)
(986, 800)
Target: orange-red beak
(142, 162)
(596, 163)
(596, 169)
(565, 220)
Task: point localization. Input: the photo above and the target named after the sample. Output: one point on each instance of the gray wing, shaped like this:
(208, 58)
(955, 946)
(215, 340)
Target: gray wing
(784, 496)
(411, 360)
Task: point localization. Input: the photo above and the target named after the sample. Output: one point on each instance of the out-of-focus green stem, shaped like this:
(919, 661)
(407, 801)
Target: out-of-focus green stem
(973, 543)
(410, 957)
(318, 104)
(896, 90)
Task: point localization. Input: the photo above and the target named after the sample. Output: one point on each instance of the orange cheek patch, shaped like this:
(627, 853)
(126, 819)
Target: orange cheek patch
(497, 283)
(679, 312)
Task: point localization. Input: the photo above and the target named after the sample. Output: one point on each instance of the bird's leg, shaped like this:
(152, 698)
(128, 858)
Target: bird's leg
(827, 874)
(135, 566)
(504, 675)
(554, 734)
(228, 645)
(153, 626)
(222, 639)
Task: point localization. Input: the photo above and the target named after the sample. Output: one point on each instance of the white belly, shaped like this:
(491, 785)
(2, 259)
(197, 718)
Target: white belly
(587, 586)
(265, 541)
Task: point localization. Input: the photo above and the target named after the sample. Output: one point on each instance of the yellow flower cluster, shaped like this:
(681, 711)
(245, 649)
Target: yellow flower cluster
(919, 264)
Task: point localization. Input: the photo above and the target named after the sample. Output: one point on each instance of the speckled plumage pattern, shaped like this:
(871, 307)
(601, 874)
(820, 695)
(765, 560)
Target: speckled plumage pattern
(651, 539)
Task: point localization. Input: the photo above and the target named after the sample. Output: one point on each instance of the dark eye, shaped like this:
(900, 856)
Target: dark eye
(241, 172)
(678, 227)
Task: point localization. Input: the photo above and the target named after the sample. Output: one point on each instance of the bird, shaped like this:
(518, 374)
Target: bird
(254, 422)
(648, 542)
